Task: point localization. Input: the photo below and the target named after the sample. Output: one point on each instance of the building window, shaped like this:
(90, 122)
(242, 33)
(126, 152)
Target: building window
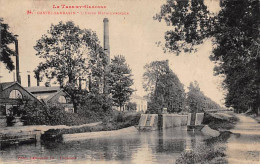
(62, 99)
(15, 94)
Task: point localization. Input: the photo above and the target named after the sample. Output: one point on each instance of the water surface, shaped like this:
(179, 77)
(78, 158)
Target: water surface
(161, 147)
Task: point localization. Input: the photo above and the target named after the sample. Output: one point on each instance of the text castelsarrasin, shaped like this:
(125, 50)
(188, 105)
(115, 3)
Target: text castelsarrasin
(79, 7)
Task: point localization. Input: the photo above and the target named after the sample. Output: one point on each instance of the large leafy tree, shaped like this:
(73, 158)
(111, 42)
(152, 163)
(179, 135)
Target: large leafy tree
(68, 53)
(119, 81)
(235, 35)
(5, 51)
(164, 88)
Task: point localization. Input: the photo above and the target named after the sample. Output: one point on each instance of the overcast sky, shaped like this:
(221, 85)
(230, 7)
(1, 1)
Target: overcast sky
(132, 35)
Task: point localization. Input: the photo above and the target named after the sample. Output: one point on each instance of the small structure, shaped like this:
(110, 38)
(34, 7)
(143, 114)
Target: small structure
(52, 96)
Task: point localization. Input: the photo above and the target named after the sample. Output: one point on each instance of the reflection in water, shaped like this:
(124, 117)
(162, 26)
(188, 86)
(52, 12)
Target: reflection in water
(162, 146)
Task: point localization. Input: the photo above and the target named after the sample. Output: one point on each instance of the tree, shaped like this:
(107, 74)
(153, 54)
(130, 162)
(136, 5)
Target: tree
(5, 51)
(153, 72)
(69, 53)
(235, 35)
(197, 101)
(164, 86)
(119, 81)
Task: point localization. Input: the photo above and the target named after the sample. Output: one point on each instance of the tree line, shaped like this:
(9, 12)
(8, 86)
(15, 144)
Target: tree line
(166, 91)
(234, 32)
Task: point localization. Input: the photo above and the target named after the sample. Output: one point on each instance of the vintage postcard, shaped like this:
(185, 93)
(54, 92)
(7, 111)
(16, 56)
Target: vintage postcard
(129, 82)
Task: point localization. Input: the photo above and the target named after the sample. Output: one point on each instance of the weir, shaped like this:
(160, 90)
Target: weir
(163, 121)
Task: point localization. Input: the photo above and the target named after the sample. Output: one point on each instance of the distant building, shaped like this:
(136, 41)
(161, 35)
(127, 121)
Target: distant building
(141, 103)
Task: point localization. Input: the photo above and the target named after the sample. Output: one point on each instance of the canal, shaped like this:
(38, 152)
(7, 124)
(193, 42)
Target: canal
(159, 147)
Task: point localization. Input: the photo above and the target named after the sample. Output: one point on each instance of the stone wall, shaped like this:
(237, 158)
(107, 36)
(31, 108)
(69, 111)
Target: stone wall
(174, 120)
(198, 118)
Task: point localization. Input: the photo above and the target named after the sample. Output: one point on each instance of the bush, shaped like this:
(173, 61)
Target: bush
(37, 114)
(212, 152)
(95, 106)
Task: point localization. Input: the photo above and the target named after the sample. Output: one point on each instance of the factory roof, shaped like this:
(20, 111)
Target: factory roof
(43, 89)
(44, 93)
(5, 85)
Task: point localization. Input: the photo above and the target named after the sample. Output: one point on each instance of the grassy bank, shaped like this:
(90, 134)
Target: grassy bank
(212, 151)
(113, 122)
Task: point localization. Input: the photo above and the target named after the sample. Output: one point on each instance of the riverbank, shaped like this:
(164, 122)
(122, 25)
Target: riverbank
(213, 150)
(94, 135)
(244, 146)
(119, 121)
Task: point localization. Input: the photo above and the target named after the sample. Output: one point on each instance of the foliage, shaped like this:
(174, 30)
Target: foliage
(235, 35)
(164, 86)
(5, 51)
(69, 52)
(38, 114)
(153, 72)
(95, 106)
(131, 106)
(197, 101)
(212, 152)
(120, 81)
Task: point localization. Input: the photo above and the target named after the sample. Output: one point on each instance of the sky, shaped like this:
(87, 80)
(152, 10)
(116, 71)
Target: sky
(133, 35)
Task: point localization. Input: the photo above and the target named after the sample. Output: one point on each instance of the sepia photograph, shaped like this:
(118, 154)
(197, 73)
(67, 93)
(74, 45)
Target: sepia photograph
(129, 82)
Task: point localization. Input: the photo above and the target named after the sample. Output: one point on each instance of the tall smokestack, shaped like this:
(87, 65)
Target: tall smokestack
(29, 80)
(0, 39)
(106, 38)
(18, 78)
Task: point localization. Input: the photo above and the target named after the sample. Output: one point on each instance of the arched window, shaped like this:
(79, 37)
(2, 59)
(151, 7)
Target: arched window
(62, 99)
(15, 94)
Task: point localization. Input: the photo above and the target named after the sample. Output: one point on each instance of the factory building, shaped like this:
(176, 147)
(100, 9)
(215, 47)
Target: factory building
(52, 96)
(12, 95)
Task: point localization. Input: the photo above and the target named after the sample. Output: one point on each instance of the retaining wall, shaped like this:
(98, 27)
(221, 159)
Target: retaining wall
(174, 120)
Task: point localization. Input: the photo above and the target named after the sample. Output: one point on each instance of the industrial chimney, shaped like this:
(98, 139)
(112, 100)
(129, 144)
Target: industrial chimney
(0, 39)
(29, 80)
(18, 78)
(107, 52)
(106, 38)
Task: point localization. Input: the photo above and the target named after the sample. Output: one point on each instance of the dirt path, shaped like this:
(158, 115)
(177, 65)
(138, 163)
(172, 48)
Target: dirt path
(244, 146)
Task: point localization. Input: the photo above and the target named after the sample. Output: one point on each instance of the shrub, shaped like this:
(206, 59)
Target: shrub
(37, 114)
